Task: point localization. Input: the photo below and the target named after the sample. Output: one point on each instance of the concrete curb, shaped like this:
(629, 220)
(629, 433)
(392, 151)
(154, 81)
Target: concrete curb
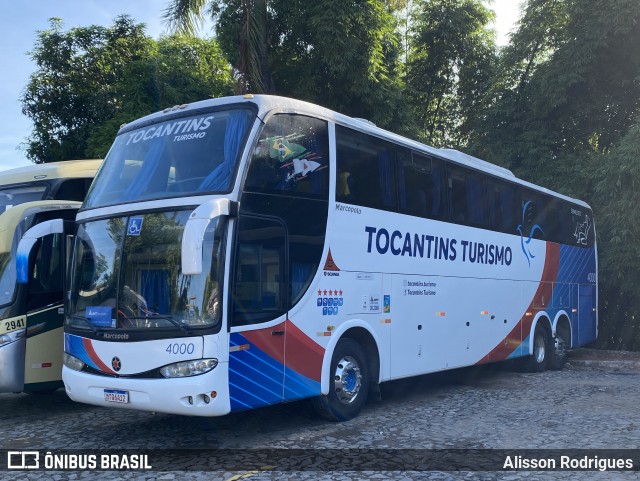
(610, 365)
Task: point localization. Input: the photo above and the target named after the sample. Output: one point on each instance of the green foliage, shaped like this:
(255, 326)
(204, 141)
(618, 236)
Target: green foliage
(565, 90)
(90, 80)
(246, 36)
(617, 193)
(343, 55)
(561, 113)
(451, 59)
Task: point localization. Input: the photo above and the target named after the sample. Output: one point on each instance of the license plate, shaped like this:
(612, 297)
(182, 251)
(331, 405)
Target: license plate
(115, 396)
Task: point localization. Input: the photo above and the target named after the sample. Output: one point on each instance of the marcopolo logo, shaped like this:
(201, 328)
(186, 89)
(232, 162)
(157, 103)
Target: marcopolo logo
(116, 364)
(23, 459)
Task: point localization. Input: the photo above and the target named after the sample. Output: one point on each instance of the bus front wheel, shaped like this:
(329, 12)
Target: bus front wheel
(348, 385)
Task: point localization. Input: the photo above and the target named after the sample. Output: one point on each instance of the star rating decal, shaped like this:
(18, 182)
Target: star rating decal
(329, 302)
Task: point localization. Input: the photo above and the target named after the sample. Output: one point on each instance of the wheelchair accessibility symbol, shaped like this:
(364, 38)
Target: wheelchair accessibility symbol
(135, 226)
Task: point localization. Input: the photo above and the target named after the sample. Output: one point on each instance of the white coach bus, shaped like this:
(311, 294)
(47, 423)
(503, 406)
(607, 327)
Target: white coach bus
(246, 251)
(31, 317)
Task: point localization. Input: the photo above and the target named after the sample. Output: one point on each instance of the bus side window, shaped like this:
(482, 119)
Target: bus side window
(291, 158)
(366, 170)
(414, 171)
(457, 197)
(501, 197)
(258, 293)
(466, 197)
(420, 184)
(45, 280)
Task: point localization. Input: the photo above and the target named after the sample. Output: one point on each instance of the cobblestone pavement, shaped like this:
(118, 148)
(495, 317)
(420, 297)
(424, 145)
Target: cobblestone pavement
(588, 405)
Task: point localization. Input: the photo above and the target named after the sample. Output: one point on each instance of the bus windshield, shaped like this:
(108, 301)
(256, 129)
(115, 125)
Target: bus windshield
(7, 278)
(128, 275)
(182, 156)
(12, 196)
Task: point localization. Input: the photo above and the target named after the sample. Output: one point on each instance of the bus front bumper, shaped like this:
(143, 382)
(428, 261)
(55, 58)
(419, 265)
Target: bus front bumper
(203, 395)
(12, 366)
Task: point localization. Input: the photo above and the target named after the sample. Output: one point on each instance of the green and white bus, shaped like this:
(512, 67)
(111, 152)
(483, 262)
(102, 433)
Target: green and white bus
(31, 314)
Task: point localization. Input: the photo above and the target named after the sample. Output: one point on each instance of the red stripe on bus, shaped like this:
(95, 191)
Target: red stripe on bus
(513, 340)
(303, 354)
(94, 357)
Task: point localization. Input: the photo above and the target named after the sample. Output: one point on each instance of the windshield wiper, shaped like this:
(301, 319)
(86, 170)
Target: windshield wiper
(177, 324)
(87, 321)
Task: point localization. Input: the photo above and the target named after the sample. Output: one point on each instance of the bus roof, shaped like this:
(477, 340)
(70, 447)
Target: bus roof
(270, 104)
(52, 170)
(10, 219)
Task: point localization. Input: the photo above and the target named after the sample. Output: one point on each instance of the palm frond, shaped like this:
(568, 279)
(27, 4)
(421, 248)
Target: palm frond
(253, 48)
(184, 16)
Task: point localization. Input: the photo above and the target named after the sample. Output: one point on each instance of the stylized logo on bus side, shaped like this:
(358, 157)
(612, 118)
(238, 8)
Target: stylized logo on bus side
(525, 242)
(582, 231)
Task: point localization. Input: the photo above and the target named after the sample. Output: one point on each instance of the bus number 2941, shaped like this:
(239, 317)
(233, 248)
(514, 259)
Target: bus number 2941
(180, 348)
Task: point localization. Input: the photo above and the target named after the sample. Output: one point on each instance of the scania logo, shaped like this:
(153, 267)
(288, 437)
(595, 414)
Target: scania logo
(116, 364)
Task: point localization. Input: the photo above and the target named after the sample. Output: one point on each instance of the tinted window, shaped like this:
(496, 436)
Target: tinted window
(501, 199)
(291, 157)
(420, 180)
(182, 156)
(366, 173)
(258, 293)
(45, 278)
(73, 189)
(466, 197)
(11, 196)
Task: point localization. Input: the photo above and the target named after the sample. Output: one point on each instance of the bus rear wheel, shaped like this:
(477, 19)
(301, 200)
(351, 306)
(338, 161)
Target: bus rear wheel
(537, 362)
(560, 353)
(349, 383)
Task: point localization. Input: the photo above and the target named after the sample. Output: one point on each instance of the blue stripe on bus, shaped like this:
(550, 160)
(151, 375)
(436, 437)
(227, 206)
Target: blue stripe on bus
(246, 371)
(521, 350)
(73, 345)
(256, 379)
(304, 386)
(245, 388)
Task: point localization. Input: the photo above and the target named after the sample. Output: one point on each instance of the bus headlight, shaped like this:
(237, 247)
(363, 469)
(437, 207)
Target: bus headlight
(72, 362)
(10, 337)
(188, 368)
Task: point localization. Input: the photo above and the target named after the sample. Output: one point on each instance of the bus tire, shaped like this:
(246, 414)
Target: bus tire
(537, 362)
(349, 383)
(559, 354)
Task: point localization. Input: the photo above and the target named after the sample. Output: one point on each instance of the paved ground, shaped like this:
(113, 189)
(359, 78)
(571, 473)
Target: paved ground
(592, 404)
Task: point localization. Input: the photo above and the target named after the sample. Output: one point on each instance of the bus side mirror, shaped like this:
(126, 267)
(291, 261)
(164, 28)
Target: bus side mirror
(195, 228)
(29, 239)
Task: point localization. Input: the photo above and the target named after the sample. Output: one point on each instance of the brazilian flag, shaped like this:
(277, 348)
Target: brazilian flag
(284, 150)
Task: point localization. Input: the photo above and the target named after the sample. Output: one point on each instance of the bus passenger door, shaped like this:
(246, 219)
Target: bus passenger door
(45, 314)
(258, 313)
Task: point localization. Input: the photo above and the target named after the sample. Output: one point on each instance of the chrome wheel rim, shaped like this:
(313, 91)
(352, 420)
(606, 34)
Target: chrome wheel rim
(347, 380)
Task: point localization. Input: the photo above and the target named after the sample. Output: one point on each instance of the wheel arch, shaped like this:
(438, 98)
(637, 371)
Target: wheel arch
(541, 319)
(562, 324)
(361, 332)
